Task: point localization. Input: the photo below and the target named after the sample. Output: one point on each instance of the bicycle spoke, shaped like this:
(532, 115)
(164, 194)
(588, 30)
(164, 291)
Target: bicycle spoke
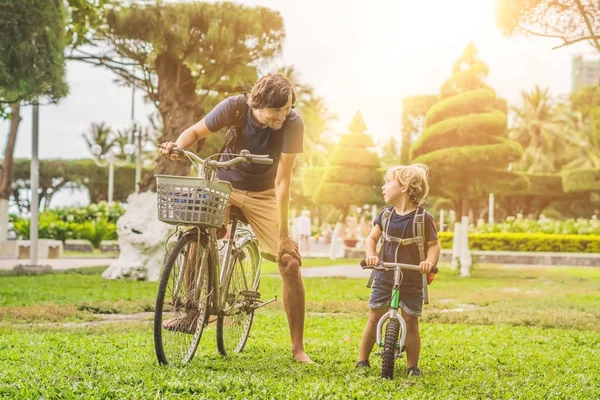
(234, 325)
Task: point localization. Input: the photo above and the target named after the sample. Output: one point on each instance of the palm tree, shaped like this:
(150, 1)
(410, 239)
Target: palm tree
(540, 132)
(583, 146)
(102, 135)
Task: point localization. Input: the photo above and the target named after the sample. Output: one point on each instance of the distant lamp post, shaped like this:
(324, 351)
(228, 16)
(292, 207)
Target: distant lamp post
(139, 138)
(110, 159)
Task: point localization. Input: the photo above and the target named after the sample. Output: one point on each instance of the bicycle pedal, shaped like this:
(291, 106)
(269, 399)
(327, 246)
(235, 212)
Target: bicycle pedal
(249, 294)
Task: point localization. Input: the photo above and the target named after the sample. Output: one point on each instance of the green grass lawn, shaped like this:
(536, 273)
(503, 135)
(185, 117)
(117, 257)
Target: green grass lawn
(503, 333)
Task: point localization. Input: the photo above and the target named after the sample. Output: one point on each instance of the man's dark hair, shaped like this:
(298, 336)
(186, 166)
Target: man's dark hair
(271, 91)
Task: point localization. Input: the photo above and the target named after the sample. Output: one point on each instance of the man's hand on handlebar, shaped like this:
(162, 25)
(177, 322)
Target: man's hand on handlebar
(166, 150)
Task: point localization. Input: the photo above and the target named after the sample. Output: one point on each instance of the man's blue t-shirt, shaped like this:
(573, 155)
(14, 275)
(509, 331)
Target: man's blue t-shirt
(401, 226)
(255, 177)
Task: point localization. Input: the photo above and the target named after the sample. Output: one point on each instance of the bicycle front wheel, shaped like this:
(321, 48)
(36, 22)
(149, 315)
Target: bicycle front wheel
(392, 333)
(235, 320)
(182, 301)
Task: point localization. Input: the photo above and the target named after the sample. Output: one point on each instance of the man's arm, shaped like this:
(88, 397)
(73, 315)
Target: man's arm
(283, 181)
(186, 139)
(191, 135)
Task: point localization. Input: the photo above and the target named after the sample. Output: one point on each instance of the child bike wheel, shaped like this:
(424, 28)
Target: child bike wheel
(392, 333)
(181, 310)
(234, 323)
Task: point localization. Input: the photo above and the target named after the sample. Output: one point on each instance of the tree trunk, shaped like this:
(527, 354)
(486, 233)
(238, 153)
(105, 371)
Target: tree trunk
(7, 169)
(177, 104)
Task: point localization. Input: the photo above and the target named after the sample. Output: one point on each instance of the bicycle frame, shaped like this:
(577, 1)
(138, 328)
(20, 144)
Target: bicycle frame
(206, 170)
(393, 311)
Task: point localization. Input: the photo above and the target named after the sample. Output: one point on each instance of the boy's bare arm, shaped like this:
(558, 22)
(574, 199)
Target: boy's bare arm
(371, 241)
(433, 251)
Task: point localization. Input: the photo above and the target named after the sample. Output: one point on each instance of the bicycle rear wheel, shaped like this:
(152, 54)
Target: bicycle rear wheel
(235, 321)
(182, 301)
(392, 333)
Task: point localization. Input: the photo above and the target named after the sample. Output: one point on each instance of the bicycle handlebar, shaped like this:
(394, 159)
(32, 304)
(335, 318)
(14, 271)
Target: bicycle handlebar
(384, 266)
(243, 156)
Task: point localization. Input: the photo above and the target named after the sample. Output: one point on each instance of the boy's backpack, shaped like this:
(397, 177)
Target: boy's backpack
(233, 138)
(418, 229)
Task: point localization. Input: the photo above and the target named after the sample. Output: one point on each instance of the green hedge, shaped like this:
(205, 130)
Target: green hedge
(472, 102)
(467, 129)
(580, 180)
(538, 242)
(96, 222)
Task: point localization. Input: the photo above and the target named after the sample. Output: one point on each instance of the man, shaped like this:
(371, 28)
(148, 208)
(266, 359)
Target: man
(270, 126)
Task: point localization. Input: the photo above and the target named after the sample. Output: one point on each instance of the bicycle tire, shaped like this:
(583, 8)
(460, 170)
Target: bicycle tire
(233, 329)
(178, 345)
(392, 333)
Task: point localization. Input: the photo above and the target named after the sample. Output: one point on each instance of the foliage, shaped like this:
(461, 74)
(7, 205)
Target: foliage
(31, 50)
(414, 109)
(581, 180)
(84, 18)
(352, 176)
(537, 242)
(94, 223)
(59, 174)
(571, 21)
(518, 224)
(465, 137)
(186, 56)
(102, 135)
(539, 130)
(32, 65)
(317, 120)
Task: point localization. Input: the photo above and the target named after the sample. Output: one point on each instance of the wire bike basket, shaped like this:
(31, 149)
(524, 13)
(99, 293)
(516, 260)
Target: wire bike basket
(191, 200)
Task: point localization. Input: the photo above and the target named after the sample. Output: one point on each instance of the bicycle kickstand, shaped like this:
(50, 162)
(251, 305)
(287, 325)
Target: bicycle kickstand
(258, 304)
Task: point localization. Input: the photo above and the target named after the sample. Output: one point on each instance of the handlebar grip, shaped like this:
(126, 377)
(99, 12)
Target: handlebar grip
(176, 151)
(265, 161)
(434, 270)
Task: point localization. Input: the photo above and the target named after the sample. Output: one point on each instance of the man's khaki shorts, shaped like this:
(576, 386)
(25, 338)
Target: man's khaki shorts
(260, 209)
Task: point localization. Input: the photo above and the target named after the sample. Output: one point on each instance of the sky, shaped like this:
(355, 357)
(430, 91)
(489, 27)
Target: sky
(365, 55)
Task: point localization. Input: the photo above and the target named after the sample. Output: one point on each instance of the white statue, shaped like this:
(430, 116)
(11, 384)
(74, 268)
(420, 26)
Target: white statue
(141, 241)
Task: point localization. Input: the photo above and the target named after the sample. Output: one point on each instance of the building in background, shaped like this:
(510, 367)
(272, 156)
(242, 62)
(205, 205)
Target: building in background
(585, 70)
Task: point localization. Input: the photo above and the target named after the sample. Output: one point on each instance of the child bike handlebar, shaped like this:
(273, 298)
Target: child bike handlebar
(389, 266)
(385, 266)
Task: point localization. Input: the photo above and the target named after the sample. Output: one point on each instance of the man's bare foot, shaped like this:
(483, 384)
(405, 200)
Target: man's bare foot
(302, 357)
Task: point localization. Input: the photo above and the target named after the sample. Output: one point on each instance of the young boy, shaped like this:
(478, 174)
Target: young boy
(405, 189)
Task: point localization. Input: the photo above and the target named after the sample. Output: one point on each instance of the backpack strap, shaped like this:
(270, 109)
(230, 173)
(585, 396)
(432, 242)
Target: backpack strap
(419, 231)
(385, 222)
(234, 132)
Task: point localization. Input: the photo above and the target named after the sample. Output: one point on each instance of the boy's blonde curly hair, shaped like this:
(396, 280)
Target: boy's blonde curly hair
(414, 177)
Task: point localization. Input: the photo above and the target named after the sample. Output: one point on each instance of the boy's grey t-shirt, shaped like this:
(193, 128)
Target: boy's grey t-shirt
(255, 177)
(401, 226)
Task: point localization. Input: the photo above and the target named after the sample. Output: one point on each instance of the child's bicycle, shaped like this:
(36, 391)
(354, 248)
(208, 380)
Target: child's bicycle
(392, 344)
(200, 279)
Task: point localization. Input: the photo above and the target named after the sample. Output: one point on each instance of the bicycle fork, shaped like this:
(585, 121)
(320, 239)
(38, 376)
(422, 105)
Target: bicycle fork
(393, 314)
